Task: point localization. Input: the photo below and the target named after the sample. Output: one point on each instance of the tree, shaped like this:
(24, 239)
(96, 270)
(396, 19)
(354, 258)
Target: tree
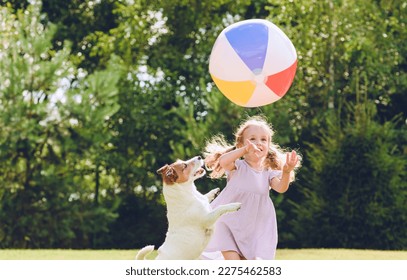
(360, 204)
(44, 191)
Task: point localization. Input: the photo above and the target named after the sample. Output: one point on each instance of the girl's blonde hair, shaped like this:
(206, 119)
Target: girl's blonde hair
(217, 146)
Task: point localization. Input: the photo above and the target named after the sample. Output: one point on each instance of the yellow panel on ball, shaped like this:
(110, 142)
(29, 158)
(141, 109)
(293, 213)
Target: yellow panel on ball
(238, 92)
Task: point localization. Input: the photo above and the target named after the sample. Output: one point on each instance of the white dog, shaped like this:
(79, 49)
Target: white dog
(190, 217)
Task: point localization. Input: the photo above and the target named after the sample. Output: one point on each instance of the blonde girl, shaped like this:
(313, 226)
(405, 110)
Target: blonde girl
(253, 166)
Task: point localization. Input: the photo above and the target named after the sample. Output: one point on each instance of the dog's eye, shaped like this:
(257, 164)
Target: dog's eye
(184, 166)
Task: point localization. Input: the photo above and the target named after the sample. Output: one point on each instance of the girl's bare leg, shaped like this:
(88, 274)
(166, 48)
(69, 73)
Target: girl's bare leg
(232, 255)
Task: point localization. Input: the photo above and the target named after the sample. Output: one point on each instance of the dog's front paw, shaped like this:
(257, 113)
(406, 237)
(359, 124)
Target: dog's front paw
(234, 206)
(212, 194)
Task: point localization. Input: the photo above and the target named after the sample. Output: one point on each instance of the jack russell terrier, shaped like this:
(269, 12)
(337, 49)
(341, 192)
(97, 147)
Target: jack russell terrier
(190, 217)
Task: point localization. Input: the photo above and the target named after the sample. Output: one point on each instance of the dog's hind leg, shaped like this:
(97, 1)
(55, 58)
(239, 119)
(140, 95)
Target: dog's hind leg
(220, 210)
(212, 194)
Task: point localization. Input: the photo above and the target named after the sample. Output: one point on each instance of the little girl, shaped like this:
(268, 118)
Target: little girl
(253, 166)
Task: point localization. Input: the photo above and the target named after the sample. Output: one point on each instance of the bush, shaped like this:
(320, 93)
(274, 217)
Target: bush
(355, 193)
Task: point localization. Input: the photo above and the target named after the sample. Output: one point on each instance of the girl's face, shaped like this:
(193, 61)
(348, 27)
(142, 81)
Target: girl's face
(259, 136)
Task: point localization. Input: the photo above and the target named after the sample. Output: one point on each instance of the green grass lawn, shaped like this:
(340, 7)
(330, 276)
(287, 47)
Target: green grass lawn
(282, 254)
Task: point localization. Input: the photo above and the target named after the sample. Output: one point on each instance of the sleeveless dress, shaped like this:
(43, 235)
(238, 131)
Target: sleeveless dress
(251, 231)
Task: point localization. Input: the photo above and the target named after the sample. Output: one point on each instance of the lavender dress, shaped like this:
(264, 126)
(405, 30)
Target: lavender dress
(251, 231)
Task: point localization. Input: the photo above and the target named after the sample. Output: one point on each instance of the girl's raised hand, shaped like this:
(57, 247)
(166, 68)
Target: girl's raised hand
(290, 162)
(252, 148)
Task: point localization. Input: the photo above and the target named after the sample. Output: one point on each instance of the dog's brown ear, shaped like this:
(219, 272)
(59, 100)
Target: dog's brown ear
(162, 169)
(168, 173)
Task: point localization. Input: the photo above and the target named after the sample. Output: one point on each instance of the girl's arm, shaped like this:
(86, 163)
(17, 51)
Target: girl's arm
(227, 160)
(281, 185)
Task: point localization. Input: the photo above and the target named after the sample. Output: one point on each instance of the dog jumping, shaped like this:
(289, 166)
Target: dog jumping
(190, 217)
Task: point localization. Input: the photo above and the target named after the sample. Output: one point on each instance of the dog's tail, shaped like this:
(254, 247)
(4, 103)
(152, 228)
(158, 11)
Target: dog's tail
(141, 255)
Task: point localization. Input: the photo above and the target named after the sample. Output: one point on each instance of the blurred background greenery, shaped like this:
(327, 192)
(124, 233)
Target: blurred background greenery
(96, 95)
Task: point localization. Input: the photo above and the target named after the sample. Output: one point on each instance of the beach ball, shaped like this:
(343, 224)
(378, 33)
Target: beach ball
(253, 63)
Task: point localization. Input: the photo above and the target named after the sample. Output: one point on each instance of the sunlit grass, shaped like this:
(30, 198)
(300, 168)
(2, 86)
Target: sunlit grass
(282, 254)
(339, 254)
(61, 254)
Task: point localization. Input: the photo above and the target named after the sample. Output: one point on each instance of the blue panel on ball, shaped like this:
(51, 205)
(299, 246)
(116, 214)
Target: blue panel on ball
(250, 42)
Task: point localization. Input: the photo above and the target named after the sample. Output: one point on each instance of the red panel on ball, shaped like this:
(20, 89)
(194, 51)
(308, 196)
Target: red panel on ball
(280, 83)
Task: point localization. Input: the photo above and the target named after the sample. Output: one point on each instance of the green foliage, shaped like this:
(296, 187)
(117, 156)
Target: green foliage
(44, 193)
(97, 95)
(76, 20)
(345, 49)
(360, 204)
